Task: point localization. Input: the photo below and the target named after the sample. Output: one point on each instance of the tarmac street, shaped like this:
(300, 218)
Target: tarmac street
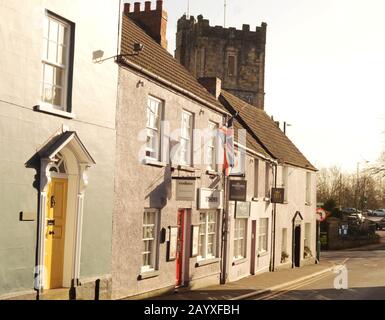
(354, 274)
(359, 275)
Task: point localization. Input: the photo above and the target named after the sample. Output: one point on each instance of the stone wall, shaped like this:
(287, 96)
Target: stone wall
(205, 52)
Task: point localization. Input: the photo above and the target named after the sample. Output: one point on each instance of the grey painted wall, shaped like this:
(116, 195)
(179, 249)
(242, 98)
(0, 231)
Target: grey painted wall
(23, 130)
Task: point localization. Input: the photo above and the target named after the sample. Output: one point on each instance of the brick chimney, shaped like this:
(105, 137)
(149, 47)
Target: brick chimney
(153, 22)
(212, 85)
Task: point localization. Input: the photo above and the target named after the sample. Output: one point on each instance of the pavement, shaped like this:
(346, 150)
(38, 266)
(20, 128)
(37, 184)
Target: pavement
(254, 285)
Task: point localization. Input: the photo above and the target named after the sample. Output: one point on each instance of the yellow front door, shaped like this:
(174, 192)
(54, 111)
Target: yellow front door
(54, 233)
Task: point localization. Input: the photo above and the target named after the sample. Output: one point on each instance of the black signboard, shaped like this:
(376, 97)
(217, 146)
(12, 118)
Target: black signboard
(278, 195)
(238, 190)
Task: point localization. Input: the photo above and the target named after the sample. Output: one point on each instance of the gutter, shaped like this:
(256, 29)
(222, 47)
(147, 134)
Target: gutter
(133, 65)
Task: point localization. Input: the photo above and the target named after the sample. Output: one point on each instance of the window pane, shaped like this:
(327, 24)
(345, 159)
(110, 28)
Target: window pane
(62, 35)
(58, 77)
(46, 28)
(47, 93)
(53, 30)
(49, 74)
(62, 55)
(57, 98)
(52, 52)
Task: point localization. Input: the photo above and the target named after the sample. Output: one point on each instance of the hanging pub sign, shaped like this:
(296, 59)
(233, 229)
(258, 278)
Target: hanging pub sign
(210, 199)
(185, 189)
(242, 210)
(278, 195)
(238, 190)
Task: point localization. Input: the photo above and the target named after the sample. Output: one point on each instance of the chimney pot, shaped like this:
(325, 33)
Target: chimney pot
(127, 8)
(147, 6)
(137, 7)
(159, 5)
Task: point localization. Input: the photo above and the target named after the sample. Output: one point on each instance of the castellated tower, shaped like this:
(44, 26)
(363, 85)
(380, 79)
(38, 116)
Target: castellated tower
(237, 57)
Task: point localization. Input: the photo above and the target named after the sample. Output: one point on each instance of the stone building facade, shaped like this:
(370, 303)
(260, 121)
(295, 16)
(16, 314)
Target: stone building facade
(237, 57)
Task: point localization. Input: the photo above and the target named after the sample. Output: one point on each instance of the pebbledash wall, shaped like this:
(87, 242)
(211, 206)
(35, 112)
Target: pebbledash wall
(144, 186)
(258, 261)
(298, 210)
(23, 131)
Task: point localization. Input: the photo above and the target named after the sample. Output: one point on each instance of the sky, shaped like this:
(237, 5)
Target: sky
(325, 70)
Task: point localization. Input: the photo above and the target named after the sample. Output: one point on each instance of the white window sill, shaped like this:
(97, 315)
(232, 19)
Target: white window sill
(266, 199)
(50, 110)
(239, 261)
(154, 163)
(186, 168)
(255, 199)
(207, 262)
(149, 275)
(263, 254)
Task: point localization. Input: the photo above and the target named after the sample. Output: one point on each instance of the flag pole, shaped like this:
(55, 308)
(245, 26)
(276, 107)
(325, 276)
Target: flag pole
(225, 6)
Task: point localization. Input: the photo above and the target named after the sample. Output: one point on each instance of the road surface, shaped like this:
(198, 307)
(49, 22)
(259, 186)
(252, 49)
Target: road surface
(359, 275)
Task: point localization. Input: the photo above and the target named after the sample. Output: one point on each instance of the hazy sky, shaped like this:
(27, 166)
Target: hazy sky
(325, 70)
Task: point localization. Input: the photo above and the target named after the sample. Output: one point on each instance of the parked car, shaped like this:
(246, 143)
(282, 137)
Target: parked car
(380, 225)
(349, 210)
(379, 212)
(356, 217)
(368, 213)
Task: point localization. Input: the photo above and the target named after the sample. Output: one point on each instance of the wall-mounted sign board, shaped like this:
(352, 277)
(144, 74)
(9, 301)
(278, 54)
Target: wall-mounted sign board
(238, 190)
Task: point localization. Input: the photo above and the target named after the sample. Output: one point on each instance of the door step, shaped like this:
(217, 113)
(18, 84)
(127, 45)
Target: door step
(56, 294)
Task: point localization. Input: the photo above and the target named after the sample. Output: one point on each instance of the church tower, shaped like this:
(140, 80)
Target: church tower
(237, 57)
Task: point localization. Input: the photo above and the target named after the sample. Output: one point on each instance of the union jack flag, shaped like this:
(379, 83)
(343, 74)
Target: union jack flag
(226, 134)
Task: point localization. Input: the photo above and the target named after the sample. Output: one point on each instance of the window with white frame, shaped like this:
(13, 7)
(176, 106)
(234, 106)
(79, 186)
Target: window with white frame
(263, 231)
(308, 187)
(207, 246)
(154, 117)
(256, 178)
(150, 240)
(307, 240)
(240, 229)
(268, 174)
(56, 62)
(285, 181)
(211, 147)
(186, 139)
